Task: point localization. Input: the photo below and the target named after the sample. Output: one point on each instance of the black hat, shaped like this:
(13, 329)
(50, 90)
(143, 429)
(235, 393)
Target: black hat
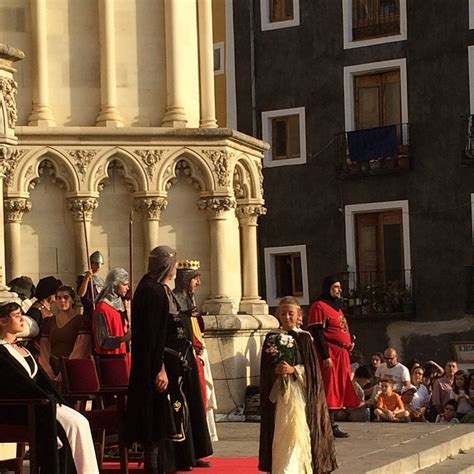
(47, 286)
(23, 286)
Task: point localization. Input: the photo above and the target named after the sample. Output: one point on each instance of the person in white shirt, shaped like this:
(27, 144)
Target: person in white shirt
(393, 370)
(422, 396)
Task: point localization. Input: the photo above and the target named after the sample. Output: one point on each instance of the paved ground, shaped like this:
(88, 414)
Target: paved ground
(373, 447)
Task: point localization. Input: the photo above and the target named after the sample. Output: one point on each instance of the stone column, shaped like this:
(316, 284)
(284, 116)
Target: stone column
(218, 209)
(150, 208)
(14, 209)
(175, 115)
(109, 115)
(206, 65)
(41, 114)
(82, 209)
(251, 301)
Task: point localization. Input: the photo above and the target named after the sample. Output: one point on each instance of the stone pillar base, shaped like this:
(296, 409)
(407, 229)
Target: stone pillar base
(234, 343)
(218, 306)
(253, 306)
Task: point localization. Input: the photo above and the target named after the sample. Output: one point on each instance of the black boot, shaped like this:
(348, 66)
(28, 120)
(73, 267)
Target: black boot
(337, 433)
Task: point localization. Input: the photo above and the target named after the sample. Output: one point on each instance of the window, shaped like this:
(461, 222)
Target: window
(375, 94)
(285, 131)
(277, 14)
(471, 14)
(377, 100)
(219, 58)
(286, 273)
(378, 240)
(281, 10)
(370, 22)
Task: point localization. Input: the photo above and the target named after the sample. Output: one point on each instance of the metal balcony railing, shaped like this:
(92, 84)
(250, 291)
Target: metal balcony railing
(371, 151)
(377, 294)
(375, 18)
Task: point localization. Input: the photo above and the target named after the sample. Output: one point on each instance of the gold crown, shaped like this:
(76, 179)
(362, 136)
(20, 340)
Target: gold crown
(188, 264)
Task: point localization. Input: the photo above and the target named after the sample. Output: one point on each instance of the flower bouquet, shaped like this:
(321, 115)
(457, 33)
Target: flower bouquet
(282, 349)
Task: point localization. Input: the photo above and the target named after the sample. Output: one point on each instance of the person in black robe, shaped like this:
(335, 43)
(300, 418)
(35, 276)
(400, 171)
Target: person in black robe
(149, 417)
(323, 459)
(16, 364)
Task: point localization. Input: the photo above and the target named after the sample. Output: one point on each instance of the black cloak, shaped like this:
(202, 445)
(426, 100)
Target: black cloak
(17, 384)
(317, 414)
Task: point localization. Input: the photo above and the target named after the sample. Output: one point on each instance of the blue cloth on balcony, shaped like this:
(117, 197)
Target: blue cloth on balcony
(373, 143)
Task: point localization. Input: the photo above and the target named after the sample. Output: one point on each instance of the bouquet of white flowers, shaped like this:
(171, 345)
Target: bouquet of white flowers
(282, 348)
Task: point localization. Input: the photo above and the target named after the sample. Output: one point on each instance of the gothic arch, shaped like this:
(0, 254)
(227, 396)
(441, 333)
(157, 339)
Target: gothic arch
(248, 178)
(133, 173)
(28, 171)
(188, 163)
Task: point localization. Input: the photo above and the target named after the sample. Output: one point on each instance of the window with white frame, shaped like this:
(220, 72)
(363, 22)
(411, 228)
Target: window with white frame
(285, 130)
(370, 22)
(378, 242)
(470, 52)
(286, 273)
(471, 14)
(375, 94)
(277, 14)
(218, 58)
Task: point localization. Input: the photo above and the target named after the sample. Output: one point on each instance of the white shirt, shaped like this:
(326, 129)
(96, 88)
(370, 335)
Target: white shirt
(421, 397)
(398, 374)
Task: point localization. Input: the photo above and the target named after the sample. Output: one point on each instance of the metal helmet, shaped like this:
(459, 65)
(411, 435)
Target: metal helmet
(96, 257)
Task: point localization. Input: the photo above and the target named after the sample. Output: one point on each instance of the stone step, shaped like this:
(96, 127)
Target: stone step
(461, 463)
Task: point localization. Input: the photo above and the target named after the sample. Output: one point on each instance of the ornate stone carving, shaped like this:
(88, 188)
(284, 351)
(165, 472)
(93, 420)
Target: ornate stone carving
(260, 176)
(151, 207)
(82, 160)
(29, 172)
(217, 204)
(150, 158)
(251, 212)
(8, 88)
(221, 162)
(83, 208)
(10, 164)
(15, 208)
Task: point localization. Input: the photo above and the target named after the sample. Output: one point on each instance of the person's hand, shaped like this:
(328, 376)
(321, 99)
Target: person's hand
(351, 347)
(390, 415)
(58, 378)
(161, 380)
(283, 368)
(328, 363)
(127, 337)
(88, 275)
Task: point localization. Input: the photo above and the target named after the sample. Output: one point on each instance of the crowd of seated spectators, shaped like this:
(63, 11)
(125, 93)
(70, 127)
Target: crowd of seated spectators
(417, 392)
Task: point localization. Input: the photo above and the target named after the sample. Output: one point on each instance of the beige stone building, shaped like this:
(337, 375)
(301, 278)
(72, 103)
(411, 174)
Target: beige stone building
(114, 135)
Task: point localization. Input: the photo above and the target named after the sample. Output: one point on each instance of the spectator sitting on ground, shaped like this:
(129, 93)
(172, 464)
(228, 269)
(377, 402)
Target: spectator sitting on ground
(413, 364)
(357, 360)
(433, 371)
(443, 387)
(461, 394)
(389, 405)
(449, 413)
(375, 361)
(361, 413)
(394, 370)
(421, 398)
(416, 414)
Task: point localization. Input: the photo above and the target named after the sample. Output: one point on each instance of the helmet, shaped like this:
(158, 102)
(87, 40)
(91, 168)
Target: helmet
(96, 257)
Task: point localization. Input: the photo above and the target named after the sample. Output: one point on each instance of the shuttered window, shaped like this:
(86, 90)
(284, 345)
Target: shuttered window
(286, 137)
(288, 275)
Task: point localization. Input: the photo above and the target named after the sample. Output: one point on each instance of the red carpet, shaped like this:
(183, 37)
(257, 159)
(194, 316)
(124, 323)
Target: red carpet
(218, 466)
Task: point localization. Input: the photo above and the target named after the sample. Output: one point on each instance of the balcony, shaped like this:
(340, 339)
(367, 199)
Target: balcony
(375, 18)
(373, 295)
(467, 139)
(373, 151)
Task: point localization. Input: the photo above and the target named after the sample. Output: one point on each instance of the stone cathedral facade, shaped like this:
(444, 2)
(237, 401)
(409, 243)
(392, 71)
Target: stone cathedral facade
(109, 141)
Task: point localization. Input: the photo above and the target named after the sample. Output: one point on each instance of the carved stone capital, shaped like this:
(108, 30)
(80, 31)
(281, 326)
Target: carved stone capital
(15, 208)
(82, 208)
(8, 89)
(9, 159)
(248, 214)
(82, 160)
(151, 207)
(222, 164)
(150, 159)
(216, 204)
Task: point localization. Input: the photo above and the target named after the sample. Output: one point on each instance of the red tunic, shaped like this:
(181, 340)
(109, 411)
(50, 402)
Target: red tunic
(340, 392)
(115, 325)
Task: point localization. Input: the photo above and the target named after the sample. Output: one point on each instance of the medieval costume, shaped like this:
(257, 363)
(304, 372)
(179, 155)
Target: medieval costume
(93, 290)
(295, 431)
(109, 321)
(333, 340)
(57, 425)
(150, 419)
(188, 270)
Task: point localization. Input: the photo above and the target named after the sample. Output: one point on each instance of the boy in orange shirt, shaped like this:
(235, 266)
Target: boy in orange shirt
(389, 405)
